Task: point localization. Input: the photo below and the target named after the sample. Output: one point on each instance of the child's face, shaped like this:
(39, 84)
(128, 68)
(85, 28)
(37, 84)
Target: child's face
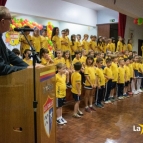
(27, 55)
(102, 55)
(89, 61)
(100, 64)
(67, 55)
(86, 38)
(115, 60)
(46, 56)
(63, 34)
(126, 53)
(59, 54)
(37, 32)
(57, 31)
(98, 56)
(130, 53)
(108, 64)
(136, 59)
(93, 39)
(78, 38)
(92, 54)
(131, 61)
(62, 70)
(122, 62)
(74, 38)
(78, 55)
(44, 33)
(27, 32)
(67, 33)
(127, 62)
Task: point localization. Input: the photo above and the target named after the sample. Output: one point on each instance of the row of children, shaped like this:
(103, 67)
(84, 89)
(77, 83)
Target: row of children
(72, 44)
(101, 77)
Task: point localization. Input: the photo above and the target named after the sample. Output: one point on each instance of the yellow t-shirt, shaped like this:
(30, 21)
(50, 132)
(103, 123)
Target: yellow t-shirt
(124, 47)
(75, 60)
(65, 47)
(114, 69)
(135, 66)
(100, 76)
(79, 45)
(119, 46)
(125, 56)
(109, 47)
(44, 42)
(113, 47)
(75, 78)
(93, 45)
(121, 75)
(45, 62)
(74, 47)
(90, 72)
(37, 43)
(101, 47)
(24, 44)
(130, 47)
(83, 59)
(29, 62)
(108, 73)
(85, 45)
(60, 85)
(131, 71)
(68, 63)
(57, 40)
(57, 60)
(127, 73)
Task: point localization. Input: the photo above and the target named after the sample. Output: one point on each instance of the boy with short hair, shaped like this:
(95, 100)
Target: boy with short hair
(60, 92)
(109, 77)
(77, 57)
(100, 83)
(76, 89)
(121, 79)
(59, 58)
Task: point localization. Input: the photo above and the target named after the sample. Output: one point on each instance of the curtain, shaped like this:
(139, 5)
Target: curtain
(3, 2)
(121, 25)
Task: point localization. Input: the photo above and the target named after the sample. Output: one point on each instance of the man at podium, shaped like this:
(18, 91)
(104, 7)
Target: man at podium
(9, 62)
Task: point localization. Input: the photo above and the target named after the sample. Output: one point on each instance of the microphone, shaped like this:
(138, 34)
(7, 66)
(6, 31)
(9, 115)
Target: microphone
(23, 29)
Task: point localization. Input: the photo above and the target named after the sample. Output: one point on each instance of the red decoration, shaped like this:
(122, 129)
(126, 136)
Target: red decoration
(136, 21)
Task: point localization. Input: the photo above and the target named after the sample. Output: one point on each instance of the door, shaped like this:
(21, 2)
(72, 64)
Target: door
(140, 43)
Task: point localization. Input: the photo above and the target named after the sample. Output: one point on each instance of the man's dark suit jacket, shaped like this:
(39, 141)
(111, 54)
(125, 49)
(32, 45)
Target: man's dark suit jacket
(9, 62)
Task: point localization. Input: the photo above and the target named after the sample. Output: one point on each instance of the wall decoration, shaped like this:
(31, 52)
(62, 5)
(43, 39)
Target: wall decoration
(12, 38)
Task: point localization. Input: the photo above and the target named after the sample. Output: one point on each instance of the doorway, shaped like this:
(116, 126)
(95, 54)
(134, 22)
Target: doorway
(140, 43)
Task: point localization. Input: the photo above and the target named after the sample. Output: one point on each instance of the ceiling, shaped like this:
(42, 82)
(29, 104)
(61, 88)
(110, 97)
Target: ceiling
(87, 4)
(132, 8)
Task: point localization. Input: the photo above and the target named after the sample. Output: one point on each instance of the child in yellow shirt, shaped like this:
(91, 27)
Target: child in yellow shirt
(37, 40)
(77, 58)
(73, 45)
(93, 44)
(45, 57)
(23, 42)
(85, 43)
(90, 83)
(68, 61)
(109, 45)
(64, 42)
(100, 83)
(56, 39)
(114, 69)
(83, 57)
(60, 92)
(59, 58)
(121, 79)
(76, 89)
(119, 45)
(27, 59)
(109, 76)
(127, 76)
(129, 45)
(79, 44)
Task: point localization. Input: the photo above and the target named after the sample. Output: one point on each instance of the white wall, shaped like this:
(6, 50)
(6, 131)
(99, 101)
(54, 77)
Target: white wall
(54, 9)
(137, 30)
(105, 15)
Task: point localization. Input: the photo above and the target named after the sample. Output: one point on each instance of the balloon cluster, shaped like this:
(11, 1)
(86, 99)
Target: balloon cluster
(138, 21)
(18, 23)
(49, 34)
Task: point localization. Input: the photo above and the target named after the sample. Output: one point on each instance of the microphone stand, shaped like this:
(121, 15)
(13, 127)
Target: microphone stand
(35, 59)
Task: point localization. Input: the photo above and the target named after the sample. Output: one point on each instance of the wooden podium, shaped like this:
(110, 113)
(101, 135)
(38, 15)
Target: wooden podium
(16, 106)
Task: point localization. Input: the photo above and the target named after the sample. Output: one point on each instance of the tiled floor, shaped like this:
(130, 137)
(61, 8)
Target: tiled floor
(113, 124)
